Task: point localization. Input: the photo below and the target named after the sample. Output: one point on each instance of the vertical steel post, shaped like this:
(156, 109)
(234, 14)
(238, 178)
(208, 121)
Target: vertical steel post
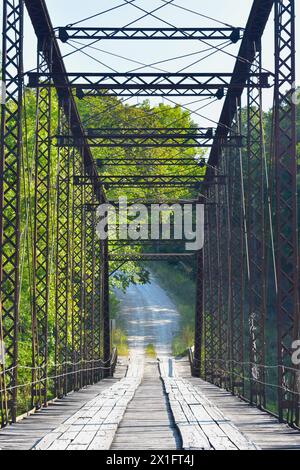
(41, 239)
(224, 278)
(237, 252)
(90, 221)
(207, 291)
(198, 357)
(97, 315)
(77, 273)
(63, 271)
(287, 259)
(212, 369)
(256, 206)
(105, 308)
(10, 165)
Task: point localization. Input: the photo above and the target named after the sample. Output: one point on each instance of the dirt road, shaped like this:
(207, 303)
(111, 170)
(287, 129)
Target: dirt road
(150, 317)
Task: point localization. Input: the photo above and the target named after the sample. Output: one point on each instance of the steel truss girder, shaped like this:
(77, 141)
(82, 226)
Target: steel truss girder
(155, 141)
(150, 83)
(41, 239)
(157, 243)
(199, 321)
(63, 263)
(98, 327)
(150, 256)
(254, 30)
(211, 317)
(10, 169)
(78, 270)
(235, 256)
(144, 180)
(256, 228)
(144, 137)
(223, 283)
(287, 251)
(90, 288)
(105, 310)
(158, 201)
(67, 33)
(168, 161)
(38, 13)
(144, 132)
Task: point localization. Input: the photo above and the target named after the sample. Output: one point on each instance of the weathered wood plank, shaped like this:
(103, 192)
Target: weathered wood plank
(192, 410)
(95, 424)
(147, 423)
(260, 428)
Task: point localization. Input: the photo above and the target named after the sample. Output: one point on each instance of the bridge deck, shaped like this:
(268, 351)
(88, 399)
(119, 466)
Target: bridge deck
(141, 416)
(148, 422)
(28, 432)
(259, 427)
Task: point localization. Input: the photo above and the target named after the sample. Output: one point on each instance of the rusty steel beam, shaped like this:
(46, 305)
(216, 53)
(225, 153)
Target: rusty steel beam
(39, 16)
(254, 30)
(68, 33)
(10, 199)
(287, 250)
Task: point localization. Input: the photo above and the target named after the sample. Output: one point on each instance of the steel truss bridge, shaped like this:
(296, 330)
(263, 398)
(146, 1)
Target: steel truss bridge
(248, 271)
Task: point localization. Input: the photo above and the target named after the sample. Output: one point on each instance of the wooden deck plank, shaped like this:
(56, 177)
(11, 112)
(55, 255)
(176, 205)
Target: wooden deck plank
(95, 424)
(259, 427)
(192, 410)
(26, 434)
(147, 422)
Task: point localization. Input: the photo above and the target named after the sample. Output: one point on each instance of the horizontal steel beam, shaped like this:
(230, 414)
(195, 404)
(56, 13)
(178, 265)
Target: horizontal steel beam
(158, 141)
(207, 34)
(256, 24)
(142, 93)
(143, 137)
(149, 203)
(156, 243)
(203, 132)
(40, 18)
(151, 256)
(123, 161)
(156, 201)
(159, 84)
(146, 180)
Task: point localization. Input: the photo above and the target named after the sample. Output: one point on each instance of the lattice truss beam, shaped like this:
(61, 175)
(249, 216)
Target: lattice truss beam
(148, 180)
(150, 84)
(41, 238)
(68, 33)
(287, 250)
(252, 230)
(147, 137)
(167, 161)
(10, 187)
(67, 311)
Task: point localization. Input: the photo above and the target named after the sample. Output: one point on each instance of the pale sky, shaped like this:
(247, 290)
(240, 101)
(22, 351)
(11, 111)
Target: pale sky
(231, 12)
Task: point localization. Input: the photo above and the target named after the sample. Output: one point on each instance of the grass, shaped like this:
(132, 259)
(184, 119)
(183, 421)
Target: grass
(120, 341)
(119, 335)
(150, 351)
(183, 341)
